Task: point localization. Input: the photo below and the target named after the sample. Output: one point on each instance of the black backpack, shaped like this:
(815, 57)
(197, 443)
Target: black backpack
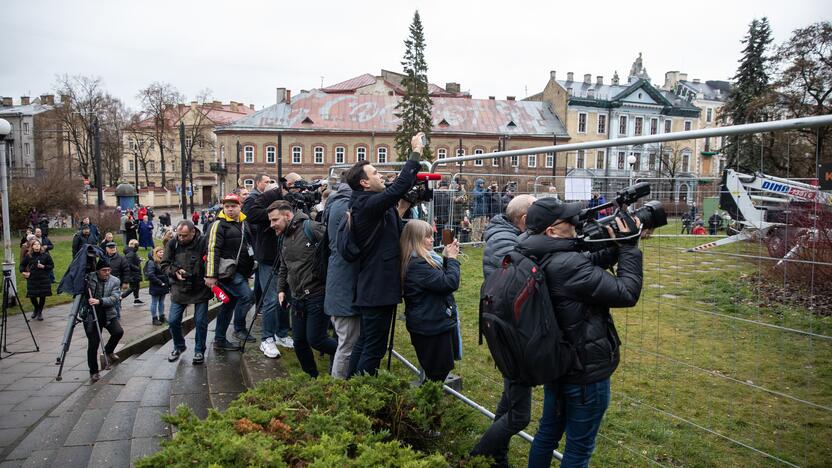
(320, 260)
(519, 324)
(348, 246)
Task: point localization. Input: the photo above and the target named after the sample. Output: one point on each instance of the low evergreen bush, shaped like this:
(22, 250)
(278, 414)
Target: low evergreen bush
(297, 421)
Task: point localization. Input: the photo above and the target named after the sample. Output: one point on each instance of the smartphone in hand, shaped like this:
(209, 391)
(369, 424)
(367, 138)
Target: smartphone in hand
(447, 236)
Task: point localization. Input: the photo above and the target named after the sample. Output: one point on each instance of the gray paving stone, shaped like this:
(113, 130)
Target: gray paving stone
(21, 418)
(30, 383)
(149, 422)
(87, 428)
(157, 393)
(119, 422)
(74, 457)
(8, 436)
(165, 369)
(198, 402)
(224, 373)
(39, 402)
(143, 447)
(110, 454)
(61, 388)
(11, 464)
(190, 379)
(106, 395)
(134, 389)
(8, 378)
(220, 401)
(9, 397)
(41, 459)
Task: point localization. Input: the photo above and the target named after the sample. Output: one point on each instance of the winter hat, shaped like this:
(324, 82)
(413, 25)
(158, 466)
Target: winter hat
(102, 263)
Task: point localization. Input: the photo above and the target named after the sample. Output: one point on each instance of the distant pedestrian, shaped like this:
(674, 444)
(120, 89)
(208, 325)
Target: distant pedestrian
(159, 286)
(699, 229)
(96, 236)
(714, 223)
(195, 217)
(131, 228)
(82, 238)
(36, 267)
(133, 274)
(108, 237)
(146, 233)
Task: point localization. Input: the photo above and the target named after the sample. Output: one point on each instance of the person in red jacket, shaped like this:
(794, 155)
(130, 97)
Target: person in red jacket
(195, 217)
(699, 229)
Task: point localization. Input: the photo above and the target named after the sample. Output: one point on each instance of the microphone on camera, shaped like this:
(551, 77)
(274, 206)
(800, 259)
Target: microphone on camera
(426, 176)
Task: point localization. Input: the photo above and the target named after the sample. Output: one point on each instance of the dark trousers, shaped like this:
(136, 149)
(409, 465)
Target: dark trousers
(38, 303)
(514, 411)
(435, 354)
(116, 332)
(309, 330)
(372, 341)
(133, 288)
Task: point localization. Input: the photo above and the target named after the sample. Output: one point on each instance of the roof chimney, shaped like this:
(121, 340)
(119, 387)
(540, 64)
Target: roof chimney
(569, 76)
(194, 104)
(599, 80)
(288, 98)
(281, 94)
(509, 98)
(683, 76)
(24, 100)
(233, 106)
(588, 78)
(64, 98)
(552, 75)
(696, 80)
(47, 99)
(452, 87)
(251, 106)
(491, 98)
(7, 101)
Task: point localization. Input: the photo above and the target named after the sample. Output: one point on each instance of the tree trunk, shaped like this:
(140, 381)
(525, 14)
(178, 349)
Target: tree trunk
(162, 160)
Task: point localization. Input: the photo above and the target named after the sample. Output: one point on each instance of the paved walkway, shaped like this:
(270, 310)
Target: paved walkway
(28, 389)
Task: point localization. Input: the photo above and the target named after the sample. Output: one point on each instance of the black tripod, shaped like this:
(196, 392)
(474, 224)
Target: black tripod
(8, 285)
(76, 317)
(260, 304)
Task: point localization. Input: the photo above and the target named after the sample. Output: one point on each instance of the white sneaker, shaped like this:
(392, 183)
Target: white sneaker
(269, 349)
(285, 342)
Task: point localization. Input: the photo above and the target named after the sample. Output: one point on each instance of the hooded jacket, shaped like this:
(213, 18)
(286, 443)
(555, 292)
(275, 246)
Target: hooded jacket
(297, 271)
(480, 201)
(191, 258)
(133, 266)
(501, 237)
(224, 239)
(341, 274)
(159, 281)
(582, 293)
(430, 308)
(257, 216)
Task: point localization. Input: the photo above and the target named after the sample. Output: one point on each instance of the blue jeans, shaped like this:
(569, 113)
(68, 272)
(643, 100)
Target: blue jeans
(309, 330)
(241, 298)
(275, 318)
(580, 417)
(200, 323)
(372, 342)
(157, 306)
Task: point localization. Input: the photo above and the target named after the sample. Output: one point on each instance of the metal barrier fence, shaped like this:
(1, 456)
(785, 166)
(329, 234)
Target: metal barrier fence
(726, 357)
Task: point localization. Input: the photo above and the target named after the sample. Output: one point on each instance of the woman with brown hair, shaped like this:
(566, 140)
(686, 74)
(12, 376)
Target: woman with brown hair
(429, 281)
(36, 267)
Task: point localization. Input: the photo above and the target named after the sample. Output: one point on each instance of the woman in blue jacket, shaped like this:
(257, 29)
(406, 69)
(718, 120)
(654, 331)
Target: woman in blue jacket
(429, 282)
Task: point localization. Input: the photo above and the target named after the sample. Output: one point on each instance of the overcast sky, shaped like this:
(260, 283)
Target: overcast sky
(242, 50)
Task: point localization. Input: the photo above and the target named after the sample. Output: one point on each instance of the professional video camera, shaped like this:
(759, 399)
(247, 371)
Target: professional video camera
(420, 192)
(304, 195)
(593, 232)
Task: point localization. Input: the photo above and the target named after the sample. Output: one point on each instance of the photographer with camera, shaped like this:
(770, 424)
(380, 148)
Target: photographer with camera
(103, 296)
(184, 263)
(299, 275)
(376, 222)
(582, 292)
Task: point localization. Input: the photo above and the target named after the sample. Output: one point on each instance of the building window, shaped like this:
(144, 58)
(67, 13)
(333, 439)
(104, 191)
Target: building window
(460, 152)
(222, 153)
(667, 124)
(297, 155)
(151, 166)
(602, 124)
(248, 154)
(709, 115)
(25, 128)
(26, 149)
(201, 166)
(654, 126)
(318, 154)
(188, 142)
(478, 162)
(495, 162)
(200, 142)
(550, 160)
(271, 153)
(622, 156)
(441, 153)
(685, 162)
(532, 160)
(340, 151)
(580, 159)
(249, 183)
(687, 125)
(622, 125)
(639, 123)
(637, 164)
(360, 153)
(599, 159)
(381, 154)
(652, 162)
(515, 161)
(130, 165)
(582, 122)
(131, 144)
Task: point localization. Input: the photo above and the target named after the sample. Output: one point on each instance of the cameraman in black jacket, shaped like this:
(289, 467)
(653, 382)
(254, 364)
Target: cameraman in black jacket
(582, 292)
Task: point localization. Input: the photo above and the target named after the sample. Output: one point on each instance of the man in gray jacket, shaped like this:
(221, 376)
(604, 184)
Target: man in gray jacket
(340, 283)
(514, 408)
(105, 295)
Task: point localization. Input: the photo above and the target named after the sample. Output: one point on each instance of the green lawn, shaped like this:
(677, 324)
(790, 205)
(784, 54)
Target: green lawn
(708, 376)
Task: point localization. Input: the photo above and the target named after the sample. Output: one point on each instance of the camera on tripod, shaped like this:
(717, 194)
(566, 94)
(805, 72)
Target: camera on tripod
(593, 232)
(304, 195)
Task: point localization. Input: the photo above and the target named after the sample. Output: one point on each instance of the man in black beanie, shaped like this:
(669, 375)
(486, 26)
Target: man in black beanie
(105, 295)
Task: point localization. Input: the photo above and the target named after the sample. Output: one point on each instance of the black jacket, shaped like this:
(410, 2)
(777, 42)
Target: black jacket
(224, 239)
(119, 267)
(133, 268)
(379, 275)
(430, 308)
(159, 281)
(191, 258)
(46, 243)
(582, 293)
(257, 216)
(39, 282)
(297, 270)
(501, 237)
(79, 241)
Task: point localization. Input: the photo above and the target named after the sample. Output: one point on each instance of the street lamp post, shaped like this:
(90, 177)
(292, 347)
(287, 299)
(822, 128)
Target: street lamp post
(631, 161)
(8, 259)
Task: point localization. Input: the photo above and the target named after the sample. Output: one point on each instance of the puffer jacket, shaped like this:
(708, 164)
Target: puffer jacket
(159, 281)
(582, 293)
(39, 282)
(108, 292)
(430, 308)
(191, 258)
(297, 270)
(340, 274)
(133, 268)
(501, 237)
(224, 239)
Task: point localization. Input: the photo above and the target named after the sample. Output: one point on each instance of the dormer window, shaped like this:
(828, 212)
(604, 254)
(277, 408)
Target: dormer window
(307, 120)
(511, 124)
(444, 123)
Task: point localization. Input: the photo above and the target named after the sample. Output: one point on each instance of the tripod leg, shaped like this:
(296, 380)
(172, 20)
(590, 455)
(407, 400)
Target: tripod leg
(392, 336)
(257, 308)
(10, 284)
(72, 320)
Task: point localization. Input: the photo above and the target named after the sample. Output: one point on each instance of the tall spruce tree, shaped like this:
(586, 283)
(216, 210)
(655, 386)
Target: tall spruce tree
(415, 107)
(751, 85)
